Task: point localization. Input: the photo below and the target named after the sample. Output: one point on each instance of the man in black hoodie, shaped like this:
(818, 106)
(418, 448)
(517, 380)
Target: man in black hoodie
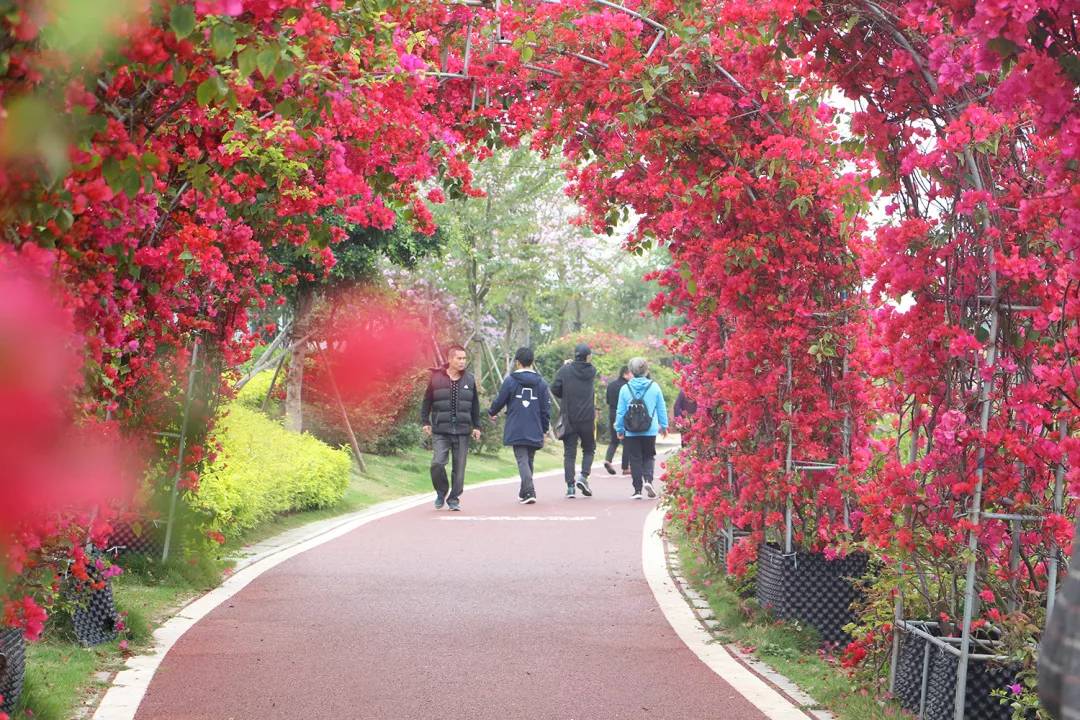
(613, 389)
(449, 413)
(574, 385)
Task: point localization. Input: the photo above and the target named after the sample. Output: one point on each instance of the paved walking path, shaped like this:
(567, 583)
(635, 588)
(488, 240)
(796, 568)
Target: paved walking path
(499, 612)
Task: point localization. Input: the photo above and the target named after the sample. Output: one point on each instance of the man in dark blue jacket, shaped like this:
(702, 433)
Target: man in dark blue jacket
(525, 396)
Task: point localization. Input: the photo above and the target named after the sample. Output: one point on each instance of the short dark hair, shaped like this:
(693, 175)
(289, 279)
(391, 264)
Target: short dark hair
(525, 356)
(454, 348)
(623, 370)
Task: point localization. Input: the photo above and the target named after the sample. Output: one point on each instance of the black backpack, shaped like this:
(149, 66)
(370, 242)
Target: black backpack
(638, 418)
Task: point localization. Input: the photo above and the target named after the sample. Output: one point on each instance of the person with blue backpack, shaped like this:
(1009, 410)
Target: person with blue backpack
(640, 417)
(525, 396)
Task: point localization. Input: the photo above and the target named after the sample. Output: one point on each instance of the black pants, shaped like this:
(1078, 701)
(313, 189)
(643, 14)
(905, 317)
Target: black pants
(524, 456)
(642, 452)
(444, 448)
(613, 445)
(586, 432)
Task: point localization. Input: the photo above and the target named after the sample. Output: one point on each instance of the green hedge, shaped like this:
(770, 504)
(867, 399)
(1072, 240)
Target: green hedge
(263, 470)
(254, 391)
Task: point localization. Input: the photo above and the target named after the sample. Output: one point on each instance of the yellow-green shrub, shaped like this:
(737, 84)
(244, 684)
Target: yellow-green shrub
(264, 470)
(254, 391)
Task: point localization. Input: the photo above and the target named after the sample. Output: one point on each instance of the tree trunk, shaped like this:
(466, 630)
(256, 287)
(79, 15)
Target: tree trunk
(294, 380)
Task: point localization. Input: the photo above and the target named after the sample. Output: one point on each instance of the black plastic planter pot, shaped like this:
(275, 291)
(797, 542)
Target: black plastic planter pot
(719, 548)
(941, 664)
(808, 587)
(144, 538)
(12, 667)
(94, 618)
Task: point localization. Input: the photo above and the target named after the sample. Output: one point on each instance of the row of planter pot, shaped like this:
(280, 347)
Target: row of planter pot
(820, 592)
(94, 618)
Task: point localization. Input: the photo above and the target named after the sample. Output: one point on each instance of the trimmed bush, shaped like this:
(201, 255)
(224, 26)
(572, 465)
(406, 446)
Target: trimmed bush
(254, 391)
(263, 470)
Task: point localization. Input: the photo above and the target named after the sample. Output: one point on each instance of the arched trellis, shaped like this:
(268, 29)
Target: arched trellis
(992, 304)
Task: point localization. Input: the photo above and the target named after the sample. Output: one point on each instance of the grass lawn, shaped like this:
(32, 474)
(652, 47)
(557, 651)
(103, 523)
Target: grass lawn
(61, 677)
(791, 651)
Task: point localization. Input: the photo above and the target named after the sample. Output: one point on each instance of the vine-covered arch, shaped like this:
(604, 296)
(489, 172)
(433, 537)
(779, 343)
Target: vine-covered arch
(214, 133)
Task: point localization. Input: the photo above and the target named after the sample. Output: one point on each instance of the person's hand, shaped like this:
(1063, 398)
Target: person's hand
(622, 436)
(663, 432)
(426, 429)
(476, 434)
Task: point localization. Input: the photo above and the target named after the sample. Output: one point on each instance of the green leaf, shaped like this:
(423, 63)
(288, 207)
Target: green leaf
(180, 74)
(284, 69)
(527, 53)
(207, 91)
(247, 62)
(647, 90)
(286, 108)
(266, 61)
(223, 40)
(131, 181)
(65, 219)
(186, 255)
(1003, 47)
(1071, 65)
(182, 20)
(110, 170)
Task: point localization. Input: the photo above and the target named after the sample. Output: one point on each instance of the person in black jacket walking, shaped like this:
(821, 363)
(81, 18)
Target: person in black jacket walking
(574, 385)
(525, 396)
(613, 389)
(449, 413)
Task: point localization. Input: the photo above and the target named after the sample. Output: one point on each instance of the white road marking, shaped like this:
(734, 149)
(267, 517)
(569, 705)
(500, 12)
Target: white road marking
(516, 518)
(681, 617)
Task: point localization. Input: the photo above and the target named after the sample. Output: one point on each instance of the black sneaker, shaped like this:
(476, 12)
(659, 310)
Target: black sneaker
(570, 491)
(610, 468)
(649, 490)
(454, 505)
(583, 485)
(635, 496)
(529, 500)
(439, 502)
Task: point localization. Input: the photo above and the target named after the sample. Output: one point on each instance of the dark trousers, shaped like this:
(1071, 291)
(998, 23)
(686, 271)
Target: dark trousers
(524, 456)
(445, 448)
(613, 445)
(586, 433)
(642, 452)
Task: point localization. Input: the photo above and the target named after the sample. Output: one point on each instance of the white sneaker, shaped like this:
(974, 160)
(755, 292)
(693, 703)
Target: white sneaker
(649, 490)
(636, 496)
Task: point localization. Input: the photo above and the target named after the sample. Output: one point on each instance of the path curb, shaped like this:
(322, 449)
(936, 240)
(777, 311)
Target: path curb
(689, 615)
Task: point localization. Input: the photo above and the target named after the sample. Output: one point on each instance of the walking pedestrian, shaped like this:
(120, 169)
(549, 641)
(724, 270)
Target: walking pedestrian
(641, 415)
(613, 389)
(525, 396)
(684, 409)
(575, 385)
(1059, 654)
(450, 413)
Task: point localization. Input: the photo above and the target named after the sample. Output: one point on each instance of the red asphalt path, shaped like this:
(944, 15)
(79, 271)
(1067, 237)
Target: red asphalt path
(432, 614)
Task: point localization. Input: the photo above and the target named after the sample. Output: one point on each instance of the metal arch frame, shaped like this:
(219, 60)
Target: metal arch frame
(997, 305)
